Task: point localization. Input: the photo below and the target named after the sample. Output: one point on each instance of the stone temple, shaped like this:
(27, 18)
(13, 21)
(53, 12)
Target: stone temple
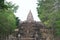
(32, 30)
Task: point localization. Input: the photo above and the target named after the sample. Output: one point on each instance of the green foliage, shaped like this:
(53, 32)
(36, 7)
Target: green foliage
(1, 4)
(7, 18)
(10, 6)
(17, 21)
(7, 22)
(48, 12)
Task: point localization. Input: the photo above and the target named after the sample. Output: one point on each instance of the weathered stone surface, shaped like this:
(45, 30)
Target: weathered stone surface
(33, 30)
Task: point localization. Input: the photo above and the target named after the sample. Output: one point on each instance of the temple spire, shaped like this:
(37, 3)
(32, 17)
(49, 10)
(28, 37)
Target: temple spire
(30, 17)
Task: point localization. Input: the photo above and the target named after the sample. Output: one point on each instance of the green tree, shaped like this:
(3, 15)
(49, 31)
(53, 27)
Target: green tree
(7, 19)
(48, 12)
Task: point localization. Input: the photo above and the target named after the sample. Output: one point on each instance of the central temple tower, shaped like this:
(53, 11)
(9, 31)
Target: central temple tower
(30, 17)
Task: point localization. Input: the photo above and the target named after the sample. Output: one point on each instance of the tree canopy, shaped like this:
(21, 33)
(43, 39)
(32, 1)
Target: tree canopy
(7, 18)
(48, 12)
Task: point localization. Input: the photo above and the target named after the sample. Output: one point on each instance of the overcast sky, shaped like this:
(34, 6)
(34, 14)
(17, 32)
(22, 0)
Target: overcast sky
(24, 7)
